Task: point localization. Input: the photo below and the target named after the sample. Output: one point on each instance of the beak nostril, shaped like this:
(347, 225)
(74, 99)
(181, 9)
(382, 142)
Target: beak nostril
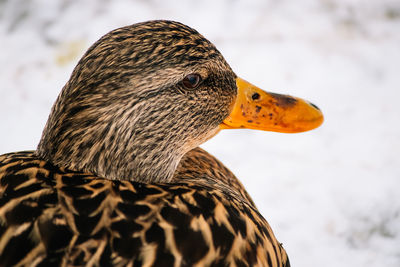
(255, 96)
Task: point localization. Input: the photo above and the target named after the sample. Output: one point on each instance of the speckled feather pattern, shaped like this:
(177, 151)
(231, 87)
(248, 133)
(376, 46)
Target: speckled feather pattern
(53, 216)
(118, 178)
(127, 87)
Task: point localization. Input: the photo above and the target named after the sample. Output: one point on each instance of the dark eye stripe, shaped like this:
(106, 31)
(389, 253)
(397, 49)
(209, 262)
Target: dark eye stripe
(191, 81)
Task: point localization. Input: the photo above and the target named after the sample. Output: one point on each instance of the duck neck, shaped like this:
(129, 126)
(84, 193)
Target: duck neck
(138, 136)
(141, 161)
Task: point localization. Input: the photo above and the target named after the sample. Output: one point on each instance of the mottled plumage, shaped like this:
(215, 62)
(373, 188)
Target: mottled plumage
(118, 178)
(55, 216)
(124, 99)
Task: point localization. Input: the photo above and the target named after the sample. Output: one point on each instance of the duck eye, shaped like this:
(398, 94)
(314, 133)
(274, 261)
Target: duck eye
(191, 81)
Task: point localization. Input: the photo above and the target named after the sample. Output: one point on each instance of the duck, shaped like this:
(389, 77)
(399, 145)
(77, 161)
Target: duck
(118, 178)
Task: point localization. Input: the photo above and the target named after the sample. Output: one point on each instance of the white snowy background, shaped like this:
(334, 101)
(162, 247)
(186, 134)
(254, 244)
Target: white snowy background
(331, 195)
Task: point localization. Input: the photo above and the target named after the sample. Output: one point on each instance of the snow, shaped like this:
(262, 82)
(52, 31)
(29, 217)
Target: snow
(331, 195)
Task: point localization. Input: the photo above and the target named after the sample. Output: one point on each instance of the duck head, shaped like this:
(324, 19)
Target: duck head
(144, 95)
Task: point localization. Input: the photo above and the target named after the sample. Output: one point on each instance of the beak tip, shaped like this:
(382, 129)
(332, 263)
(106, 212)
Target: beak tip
(315, 106)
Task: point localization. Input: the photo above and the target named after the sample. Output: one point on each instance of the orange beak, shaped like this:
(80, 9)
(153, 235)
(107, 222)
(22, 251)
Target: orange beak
(259, 110)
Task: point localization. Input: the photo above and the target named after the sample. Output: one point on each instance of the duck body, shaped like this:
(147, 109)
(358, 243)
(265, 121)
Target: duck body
(50, 216)
(117, 178)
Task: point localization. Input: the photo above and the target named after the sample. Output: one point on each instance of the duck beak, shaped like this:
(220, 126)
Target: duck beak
(259, 110)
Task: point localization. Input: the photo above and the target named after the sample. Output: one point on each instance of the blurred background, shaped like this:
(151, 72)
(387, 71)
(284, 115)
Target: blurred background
(331, 195)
